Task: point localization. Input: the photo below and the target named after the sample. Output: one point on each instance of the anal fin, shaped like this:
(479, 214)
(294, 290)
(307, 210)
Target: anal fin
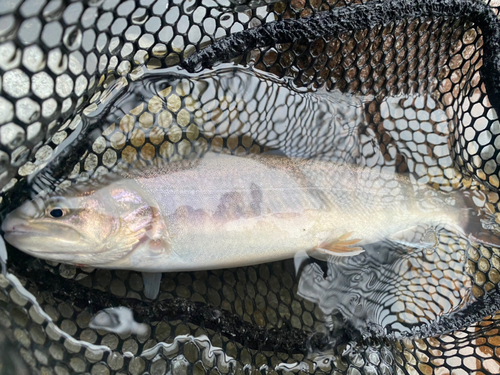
(341, 246)
(152, 282)
(419, 236)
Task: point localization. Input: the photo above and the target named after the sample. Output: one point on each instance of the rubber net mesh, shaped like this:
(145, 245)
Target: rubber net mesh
(88, 87)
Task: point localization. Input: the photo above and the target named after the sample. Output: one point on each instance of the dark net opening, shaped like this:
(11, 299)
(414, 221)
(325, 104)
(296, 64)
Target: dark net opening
(88, 87)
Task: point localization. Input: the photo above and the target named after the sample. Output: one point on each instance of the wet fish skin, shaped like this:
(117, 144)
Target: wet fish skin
(223, 211)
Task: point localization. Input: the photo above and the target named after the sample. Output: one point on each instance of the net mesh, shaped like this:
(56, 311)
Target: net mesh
(88, 87)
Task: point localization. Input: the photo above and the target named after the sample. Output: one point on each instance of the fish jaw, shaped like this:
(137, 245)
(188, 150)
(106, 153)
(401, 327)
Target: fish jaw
(34, 250)
(35, 239)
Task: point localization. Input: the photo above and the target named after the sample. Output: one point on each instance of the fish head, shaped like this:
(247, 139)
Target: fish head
(83, 225)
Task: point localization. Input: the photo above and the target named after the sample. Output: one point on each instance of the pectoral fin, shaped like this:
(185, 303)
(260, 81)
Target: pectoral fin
(152, 281)
(299, 259)
(341, 246)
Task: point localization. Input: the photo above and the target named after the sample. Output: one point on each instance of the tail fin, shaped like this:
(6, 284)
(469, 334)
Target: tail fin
(478, 223)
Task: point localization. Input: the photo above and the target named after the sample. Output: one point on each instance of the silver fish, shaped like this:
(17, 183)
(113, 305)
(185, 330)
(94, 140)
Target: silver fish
(226, 211)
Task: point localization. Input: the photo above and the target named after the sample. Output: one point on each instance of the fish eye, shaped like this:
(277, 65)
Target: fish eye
(56, 207)
(56, 212)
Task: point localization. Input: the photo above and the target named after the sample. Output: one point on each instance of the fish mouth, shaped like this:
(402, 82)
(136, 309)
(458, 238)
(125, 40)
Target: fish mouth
(31, 243)
(15, 224)
(27, 232)
(56, 256)
(19, 233)
(14, 227)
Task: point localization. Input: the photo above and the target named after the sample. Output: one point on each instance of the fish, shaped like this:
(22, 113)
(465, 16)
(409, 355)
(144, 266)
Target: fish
(226, 211)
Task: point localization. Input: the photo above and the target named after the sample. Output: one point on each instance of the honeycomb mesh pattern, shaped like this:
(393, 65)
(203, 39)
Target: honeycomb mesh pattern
(92, 86)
